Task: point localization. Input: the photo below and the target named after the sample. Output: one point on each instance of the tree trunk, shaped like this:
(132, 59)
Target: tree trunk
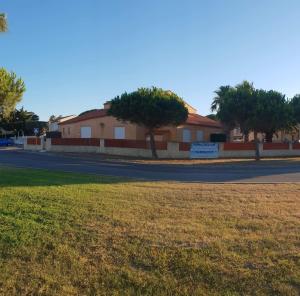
(152, 145)
(269, 137)
(246, 137)
(228, 134)
(257, 153)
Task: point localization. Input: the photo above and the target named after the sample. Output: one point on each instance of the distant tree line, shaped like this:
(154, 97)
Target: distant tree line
(22, 122)
(255, 110)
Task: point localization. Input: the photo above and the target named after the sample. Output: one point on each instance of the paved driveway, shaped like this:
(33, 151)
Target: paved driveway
(263, 172)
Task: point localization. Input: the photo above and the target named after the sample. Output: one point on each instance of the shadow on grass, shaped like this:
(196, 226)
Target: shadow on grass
(20, 177)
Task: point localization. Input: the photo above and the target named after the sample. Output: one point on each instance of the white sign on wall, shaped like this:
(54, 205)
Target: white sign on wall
(204, 150)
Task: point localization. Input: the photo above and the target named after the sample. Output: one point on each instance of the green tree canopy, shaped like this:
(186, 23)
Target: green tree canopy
(254, 110)
(22, 115)
(244, 103)
(150, 107)
(223, 104)
(234, 105)
(21, 120)
(3, 23)
(272, 113)
(295, 105)
(12, 89)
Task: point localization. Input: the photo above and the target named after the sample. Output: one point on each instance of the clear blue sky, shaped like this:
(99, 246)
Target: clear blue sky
(76, 54)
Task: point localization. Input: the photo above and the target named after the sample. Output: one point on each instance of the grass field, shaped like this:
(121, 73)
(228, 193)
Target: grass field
(67, 234)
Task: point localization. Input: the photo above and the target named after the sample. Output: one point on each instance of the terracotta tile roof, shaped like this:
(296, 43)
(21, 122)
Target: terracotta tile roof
(89, 115)
(193, 119)
(196, 119)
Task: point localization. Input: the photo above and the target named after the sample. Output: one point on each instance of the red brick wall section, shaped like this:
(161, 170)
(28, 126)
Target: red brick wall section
(296, 146)
(184, 146)
(33, 141)
(118, 143)
(75, 142)
(134, 144)
(238, 146)
(276, 146)
(161, 145)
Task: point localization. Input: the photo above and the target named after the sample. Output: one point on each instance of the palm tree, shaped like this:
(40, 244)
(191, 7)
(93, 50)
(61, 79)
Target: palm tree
(3, 23)
(24, 116)
(220, 97)
(223, 106)
(21, 121)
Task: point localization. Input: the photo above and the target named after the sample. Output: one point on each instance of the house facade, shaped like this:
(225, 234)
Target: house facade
(97, 124)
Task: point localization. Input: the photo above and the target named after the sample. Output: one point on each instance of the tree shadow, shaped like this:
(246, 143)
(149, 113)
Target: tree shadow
(24, 177)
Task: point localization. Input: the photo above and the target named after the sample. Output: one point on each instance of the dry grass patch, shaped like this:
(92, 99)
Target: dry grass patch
(67, 234)
(220, 161)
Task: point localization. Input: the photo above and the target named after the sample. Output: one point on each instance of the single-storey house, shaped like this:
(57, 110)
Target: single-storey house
(97, 124)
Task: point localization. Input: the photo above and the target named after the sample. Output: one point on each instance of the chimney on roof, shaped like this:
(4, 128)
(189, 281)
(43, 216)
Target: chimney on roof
(107, 105)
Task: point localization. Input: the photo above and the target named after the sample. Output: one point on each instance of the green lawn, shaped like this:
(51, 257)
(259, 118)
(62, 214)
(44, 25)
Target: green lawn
(68, 234)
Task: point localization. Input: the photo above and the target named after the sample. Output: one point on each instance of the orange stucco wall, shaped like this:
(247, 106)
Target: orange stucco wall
(104, 128)
(101, 128)
(177, 132)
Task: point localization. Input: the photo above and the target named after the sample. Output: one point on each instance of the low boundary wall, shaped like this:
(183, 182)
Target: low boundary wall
(164, 149)
(33, 143)
(73, 145)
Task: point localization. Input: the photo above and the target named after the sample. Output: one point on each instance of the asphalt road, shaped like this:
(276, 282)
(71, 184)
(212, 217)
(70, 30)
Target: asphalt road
(263, 172)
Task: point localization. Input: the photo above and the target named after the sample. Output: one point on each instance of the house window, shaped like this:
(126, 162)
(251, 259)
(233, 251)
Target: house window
(69, 131)
(186, 135)
(200, 136)
(119, 132)
(63, 130)
(85, 132)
